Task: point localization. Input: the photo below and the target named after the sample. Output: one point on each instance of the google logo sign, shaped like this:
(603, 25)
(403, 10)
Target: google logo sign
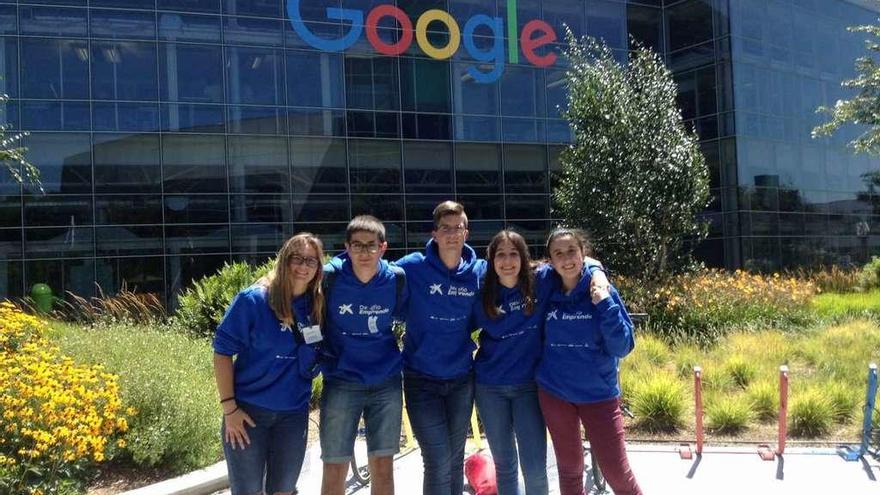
(535, 34)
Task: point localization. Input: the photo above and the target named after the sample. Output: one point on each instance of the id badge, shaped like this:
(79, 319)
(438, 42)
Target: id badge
(312, 334)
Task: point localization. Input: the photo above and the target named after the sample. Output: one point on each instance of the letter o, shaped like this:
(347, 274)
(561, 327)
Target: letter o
(373, 32)
(422, 34)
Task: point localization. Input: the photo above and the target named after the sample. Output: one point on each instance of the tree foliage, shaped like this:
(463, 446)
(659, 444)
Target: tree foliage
(12, 154)
(864, 108)
(634, 178)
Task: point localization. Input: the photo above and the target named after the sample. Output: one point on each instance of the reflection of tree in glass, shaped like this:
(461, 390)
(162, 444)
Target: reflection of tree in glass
(13, 155)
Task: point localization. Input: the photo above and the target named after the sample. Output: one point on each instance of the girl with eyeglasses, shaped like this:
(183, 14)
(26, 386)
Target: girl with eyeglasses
(272, 329)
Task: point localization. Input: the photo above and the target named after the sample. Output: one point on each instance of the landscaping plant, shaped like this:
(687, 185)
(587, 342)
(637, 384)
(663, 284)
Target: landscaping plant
(810, 413)
(659, 403)
(728, 414)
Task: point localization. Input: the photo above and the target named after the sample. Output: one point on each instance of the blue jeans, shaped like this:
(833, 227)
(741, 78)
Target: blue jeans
(439, 411)
(342, 404)
(509, 411)
(275, 454)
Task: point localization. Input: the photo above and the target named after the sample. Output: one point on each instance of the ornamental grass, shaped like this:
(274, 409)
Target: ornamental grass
(58, 418)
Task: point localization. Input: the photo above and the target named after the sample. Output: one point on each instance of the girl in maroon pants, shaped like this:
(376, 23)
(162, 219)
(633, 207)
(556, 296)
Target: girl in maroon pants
(587, 331)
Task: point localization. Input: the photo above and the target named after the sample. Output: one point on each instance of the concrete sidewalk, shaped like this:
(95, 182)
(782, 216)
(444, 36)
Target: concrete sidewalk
(660, 470)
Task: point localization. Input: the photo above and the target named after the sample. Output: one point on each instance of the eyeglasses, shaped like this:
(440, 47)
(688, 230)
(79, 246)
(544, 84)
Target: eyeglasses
(300, 260)
(361, 248)
(449, 229)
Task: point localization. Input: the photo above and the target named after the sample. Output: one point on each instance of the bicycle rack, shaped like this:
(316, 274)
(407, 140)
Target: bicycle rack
(852, 453)
(764, 450)
(684, 450)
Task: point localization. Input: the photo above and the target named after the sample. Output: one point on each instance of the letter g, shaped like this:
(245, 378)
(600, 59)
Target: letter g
(335, 45)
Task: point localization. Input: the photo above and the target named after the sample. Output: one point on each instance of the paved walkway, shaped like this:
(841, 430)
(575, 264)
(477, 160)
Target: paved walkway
(660, 470)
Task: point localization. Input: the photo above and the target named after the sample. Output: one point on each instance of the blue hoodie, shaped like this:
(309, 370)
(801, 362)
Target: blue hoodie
(583, 344)
(437, 342)
(510, 344)
(359, 324)
(274, 369)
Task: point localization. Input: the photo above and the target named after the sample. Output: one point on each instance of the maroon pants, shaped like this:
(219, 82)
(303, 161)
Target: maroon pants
(603, 423)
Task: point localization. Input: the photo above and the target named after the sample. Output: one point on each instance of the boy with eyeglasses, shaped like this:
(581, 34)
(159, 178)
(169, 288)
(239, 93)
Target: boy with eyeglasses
(364, 295)
(437, 350)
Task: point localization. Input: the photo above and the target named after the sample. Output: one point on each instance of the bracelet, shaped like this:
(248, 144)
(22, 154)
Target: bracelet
(230, 413)
(227, 399)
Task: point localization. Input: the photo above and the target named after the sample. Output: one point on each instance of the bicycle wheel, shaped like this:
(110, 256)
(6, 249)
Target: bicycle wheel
(360, 471)
(598, 479)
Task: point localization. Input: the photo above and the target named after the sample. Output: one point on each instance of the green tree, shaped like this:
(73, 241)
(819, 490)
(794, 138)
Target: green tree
(12, 154)
(634, 178)
(864, 107)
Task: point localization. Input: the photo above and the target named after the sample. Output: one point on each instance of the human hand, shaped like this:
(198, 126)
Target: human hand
(236, 431)
(600, 288)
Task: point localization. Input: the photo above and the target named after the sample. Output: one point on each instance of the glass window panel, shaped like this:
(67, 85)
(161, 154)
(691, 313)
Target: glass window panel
(55, 68)
(765, 223)
(182, 239)
(371, 83)
(318, 165)
(477, 168)
(10, 211)
(59, 242)
(465, 9)
(314, 79)
(141, 274)
(564, 13)
(526, 10)
(124, 71)
(474, 97)
(386, 207)
(55, 115)
(76, 276)
(534, 231)
(64, 160)
(324, 30)
(127, 163)
(468, 128)
(320, 208)
(555, 92)
(10, 248)
(688, 23)
(191, 73)
(525, 169)
(373, 124)
(331, 234)
(53, 21)
(522, 130)
(482, 231)
(558, 131)
(254, 76)
(606, 20)
(256, 120)
(128, 4)
(424, 85)
(196, 209)
(706, 91)
(250, 31)
(182, 271)
(643, 24)
(123, 24)
(9, 78)
(374, 166)
(185, 117)
(528, 206)
(420, 207)
(189, 27)
(112, 116)
(692, 57)
(522, 92)
(418, 233)
(194, 164)
(791, 224)
(427, 167)
(262, 8)
(258, 237)
(128, 209)
(258, 164)
(189, 5)
(128, 240)
(482, 207)
(315, 122)
(426, 126)
(8, 19)
(273, 208)
(48, 211)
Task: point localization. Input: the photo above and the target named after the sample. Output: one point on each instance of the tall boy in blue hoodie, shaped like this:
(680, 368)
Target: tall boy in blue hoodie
(363, 298)
(437, 347)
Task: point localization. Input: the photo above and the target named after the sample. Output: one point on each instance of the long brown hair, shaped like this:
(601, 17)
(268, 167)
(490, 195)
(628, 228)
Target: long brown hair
(525, 278)
(279, 285)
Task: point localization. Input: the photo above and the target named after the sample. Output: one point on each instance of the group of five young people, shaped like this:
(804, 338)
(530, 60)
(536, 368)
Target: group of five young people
(551, 339)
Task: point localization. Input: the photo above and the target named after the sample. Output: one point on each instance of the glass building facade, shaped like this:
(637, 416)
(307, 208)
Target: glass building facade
(175, 135)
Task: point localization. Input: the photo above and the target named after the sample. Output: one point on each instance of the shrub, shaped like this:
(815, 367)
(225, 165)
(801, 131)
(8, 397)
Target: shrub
(686, 357)
(58, 418)
(847, 305)
(317, 390)
(869, 275)
(124, 306)
(654, 350)
(844, 399)
(659, 403)
(728, 414)
(764, 399)
(833, 279)
(168, 378)
(740, 370)
(810, 413)
(201, 307)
